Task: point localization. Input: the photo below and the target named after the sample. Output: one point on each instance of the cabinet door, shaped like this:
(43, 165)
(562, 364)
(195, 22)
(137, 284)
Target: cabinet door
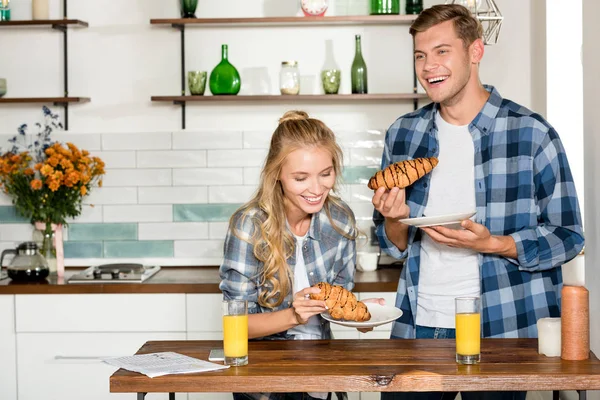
(204, 313)
(68, 366)
(8, 355)
(101, 313)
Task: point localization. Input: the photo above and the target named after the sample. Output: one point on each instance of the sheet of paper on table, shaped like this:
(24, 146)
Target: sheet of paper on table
(165, 363)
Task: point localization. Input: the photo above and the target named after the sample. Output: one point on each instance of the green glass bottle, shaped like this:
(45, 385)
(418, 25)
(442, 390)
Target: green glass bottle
(358, 72)
(414, 6)
(385, 7)
(188, 8)
(224, 78)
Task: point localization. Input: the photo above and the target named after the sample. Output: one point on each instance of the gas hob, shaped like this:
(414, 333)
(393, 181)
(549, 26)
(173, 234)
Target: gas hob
(115, 273)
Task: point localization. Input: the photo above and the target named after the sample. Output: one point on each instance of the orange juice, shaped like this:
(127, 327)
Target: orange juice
(235, 335)
(467, 334)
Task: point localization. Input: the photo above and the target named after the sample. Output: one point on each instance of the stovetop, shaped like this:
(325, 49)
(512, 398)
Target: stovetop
(115, 273)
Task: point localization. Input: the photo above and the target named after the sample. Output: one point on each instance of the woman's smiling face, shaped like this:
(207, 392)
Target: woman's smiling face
(307, 176)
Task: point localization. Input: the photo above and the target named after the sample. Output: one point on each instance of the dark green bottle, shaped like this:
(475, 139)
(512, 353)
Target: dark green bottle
(358, 72)
(188, 8)
(224, 78)
(385, 7)
(414, 6)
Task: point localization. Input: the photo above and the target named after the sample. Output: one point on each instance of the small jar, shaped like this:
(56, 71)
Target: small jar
(289, 78)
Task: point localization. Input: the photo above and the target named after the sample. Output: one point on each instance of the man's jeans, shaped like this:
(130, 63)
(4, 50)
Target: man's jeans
(424, 332)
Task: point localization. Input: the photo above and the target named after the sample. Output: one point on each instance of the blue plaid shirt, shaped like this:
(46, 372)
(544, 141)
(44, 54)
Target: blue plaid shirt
(328, 256)
(523, 189)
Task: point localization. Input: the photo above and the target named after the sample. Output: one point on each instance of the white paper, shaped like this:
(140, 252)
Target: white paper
(165, 363)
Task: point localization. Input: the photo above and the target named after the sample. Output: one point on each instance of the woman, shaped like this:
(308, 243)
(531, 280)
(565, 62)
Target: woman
(293, 233)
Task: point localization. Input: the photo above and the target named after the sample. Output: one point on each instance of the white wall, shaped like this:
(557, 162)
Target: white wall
(591, 104)
(121, 60)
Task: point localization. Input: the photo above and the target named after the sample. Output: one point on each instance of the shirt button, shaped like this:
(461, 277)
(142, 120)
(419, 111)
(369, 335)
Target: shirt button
(289, 303)
(311, 273)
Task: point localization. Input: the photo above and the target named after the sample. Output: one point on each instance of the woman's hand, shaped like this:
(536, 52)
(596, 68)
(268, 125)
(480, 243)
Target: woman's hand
(304, 307)
(377, 300)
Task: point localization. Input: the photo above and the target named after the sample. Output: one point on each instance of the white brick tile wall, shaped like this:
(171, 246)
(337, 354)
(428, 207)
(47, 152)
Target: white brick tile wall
(116, 159)
(84, 141)
(207, 176)
(217, 230)
(236, 158)
(16, 232)
(230, 194)
(257, 139)
(138, 177)
(138, 213)
(5, 200)
(89, 214)
(173, 231)
(171, 159)
(362, 210)
(364, 157)
(112, 195)
(173, 195)
(137, 141)
(199, 248)
(362, 139)
(251, 175)
(207, 140)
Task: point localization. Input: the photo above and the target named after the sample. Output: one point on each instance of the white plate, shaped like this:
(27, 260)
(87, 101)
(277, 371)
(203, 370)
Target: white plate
(438, 220)
(379, 315)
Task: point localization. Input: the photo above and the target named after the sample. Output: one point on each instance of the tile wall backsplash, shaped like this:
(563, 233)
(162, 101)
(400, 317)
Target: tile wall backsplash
(167, 196)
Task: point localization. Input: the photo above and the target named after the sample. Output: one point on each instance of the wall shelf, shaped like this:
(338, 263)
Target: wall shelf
(290, 21)
(61, 25)
(54, 23)
(295, 98)
(53, 100)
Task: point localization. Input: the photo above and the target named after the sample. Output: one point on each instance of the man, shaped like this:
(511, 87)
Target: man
(496, 158)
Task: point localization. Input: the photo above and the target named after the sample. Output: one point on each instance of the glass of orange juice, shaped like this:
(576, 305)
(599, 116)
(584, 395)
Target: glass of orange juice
(235, 332)
(468, 330)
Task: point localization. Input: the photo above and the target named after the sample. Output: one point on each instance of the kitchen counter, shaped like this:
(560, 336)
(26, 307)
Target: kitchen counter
(183, 280)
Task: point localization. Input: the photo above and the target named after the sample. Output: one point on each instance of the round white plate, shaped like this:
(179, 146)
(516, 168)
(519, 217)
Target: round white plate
(438, 220)
(379, 315)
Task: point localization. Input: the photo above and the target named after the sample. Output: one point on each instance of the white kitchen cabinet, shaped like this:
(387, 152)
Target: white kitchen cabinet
(68, 366)
(8, 354)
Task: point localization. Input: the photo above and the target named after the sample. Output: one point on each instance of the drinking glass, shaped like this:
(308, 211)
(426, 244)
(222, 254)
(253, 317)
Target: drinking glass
(235, 332)
(331, 79)
(196, 82)
(468, 330)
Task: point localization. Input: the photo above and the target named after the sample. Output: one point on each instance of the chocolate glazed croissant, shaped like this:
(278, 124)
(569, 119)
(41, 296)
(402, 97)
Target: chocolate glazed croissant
(341, 302)
(403, 173)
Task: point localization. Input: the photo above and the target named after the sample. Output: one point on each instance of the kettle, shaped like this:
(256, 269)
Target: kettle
(27, 264)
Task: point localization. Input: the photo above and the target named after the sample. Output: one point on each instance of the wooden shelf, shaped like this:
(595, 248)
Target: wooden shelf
(43, 22)
(298, 21)
(295, 98)
(55, 100)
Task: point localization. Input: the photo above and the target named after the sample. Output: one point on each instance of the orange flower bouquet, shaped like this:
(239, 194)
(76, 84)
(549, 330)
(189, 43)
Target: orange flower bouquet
(48, 180)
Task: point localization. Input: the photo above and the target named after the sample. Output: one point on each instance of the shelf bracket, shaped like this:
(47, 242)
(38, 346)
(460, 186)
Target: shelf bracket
(181, 28)
(63, 29)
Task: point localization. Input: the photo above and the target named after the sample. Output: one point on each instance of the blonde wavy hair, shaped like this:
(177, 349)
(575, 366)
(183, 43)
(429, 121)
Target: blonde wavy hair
(273, 243)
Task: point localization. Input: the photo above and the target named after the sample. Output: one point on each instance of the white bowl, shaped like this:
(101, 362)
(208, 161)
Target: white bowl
(366, 261)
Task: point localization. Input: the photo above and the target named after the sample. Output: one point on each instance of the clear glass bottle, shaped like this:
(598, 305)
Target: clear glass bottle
(359, 71)
(4, 10)
(289, 78)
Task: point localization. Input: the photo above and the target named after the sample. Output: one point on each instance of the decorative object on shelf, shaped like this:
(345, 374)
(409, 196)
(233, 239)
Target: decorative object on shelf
(358, 72)
(4, 10)
(487, 12)
(414, 6)
(289, 78)
(3, 87)
(385, 7)
(331, 79)
(196, 82)
(47, 180)
(314, 8)
(188, 8)
(224, 78)
(40, 9)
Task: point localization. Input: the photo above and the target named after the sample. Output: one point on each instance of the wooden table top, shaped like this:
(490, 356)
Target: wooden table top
(369, 365)
(182, 280)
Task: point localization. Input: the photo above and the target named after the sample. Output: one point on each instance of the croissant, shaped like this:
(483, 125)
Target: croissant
(342, 303)
(403, 173)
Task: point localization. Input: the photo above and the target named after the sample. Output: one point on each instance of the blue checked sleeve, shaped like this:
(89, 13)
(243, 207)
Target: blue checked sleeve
(559, 235)
(239, 270)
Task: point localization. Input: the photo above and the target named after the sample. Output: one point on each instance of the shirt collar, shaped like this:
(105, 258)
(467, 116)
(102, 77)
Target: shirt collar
(484, 120)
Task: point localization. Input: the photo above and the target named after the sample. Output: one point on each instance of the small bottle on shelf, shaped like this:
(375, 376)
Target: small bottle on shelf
(359, 70)
(4, 10)
(289, 78)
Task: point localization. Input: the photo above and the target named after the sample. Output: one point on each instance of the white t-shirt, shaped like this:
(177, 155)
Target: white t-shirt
(446, 272)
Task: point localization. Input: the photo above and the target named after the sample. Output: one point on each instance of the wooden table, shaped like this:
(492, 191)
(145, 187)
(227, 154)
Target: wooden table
(369, 366)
